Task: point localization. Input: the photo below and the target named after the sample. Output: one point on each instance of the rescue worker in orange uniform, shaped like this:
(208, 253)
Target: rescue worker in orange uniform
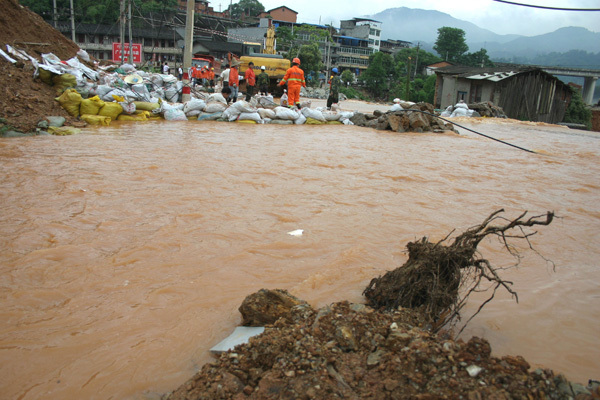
(211, 77)
(234, 81)
(193, 72)
(250, 81)
(294, 77)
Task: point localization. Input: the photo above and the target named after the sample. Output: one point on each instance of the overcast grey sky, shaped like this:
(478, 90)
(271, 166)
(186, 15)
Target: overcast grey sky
(498, 17)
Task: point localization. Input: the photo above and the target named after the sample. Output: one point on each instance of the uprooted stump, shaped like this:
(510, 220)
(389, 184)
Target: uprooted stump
(437, 278)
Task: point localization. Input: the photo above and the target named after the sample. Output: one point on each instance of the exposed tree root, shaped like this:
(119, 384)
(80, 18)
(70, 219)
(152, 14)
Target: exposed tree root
(438, 278)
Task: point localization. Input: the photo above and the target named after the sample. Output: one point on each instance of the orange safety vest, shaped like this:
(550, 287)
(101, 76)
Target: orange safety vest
(234, 77)
(294, 77)
(250, 77)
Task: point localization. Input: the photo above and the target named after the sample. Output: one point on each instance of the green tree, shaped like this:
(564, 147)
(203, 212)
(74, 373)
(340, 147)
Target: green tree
(379, 74)
(450, 43)
(419, 58)
(477, 59)
(347, 77)
(310, 61)
(287, 41)
(578, 112)
(245, 7)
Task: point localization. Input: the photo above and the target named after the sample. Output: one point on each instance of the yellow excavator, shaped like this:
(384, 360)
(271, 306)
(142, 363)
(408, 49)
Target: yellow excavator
(270, 41)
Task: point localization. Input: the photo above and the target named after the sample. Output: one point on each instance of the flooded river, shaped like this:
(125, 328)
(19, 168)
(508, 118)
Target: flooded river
(126, 250)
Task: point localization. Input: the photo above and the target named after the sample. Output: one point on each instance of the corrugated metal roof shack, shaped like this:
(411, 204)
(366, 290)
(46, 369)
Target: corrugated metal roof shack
(524, 93)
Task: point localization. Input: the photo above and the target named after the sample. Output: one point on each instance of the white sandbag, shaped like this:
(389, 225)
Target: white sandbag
(115, 92)
(175, 115)
(128, 108)
(346, 115)
(266, 113)
(447, 112)
(314, 114)
(243, 106)
(194, 104)
(216, 97)
(83, 55)
(396, 107)
(204, 116)
(459, 112)
(266, 102)
(128, 67)
(300, 120)
(192, 113)
(171, 94)
(284, 99)
(286, 113)
(215, 107)
(141, 92)
(461, 104)
(347, 122)
(231, 114)
(331, 116)
(168, 78)
(267, 120)
(251, 116)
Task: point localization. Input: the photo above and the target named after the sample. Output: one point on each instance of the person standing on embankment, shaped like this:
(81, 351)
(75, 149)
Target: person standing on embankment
(250, 81)
(294, 77)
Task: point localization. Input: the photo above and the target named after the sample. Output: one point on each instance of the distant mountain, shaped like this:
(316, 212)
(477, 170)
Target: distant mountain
(420, 26)
(417, 25)
(560, 41)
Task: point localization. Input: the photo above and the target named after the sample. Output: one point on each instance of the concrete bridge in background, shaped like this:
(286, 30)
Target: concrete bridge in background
(590, 77)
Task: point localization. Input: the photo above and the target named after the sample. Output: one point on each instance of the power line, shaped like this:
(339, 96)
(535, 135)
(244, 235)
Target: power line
(547, 8)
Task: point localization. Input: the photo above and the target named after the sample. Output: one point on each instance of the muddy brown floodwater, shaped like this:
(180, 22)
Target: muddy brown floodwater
(126, 250)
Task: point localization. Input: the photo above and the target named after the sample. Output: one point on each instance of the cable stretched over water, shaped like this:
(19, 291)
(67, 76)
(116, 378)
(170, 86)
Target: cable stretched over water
(478, 133)
(546, 7)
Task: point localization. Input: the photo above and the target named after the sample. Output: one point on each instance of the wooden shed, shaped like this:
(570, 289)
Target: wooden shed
(524, 93)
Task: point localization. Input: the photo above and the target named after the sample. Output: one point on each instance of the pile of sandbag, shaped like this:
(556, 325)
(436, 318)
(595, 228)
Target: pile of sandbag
(460, 109)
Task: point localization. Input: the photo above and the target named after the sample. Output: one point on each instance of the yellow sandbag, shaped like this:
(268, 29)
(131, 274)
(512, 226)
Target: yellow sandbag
(70, 101)
(246, 121)
(192, 118)
(91, 106)
(154, 116)
(46, 76)
(63, 130)
(334, 123)
(146, 113)
(112, 110)
(312, 121)
(145, 105)
(118, 98)
(132, 117)
(63, 82)
(95, 119)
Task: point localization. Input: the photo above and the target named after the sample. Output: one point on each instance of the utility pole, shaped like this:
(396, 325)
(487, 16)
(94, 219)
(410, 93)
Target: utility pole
(187, 50)
(72, 22)
(407, 90)
(54, 14)
(417, 61)
(130, 35)
(122, 29)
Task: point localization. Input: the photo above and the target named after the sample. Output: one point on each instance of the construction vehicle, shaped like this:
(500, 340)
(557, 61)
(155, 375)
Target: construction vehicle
(275, 66)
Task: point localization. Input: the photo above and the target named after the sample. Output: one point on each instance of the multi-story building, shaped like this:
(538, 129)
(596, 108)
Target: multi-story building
(363, 28)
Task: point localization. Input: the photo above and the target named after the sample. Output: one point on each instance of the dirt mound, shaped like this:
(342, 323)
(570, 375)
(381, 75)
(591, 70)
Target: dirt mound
(351, 351)
(25, 101)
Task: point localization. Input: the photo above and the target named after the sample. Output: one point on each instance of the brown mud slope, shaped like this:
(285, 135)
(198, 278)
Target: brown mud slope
(350, 351)
(25, 101)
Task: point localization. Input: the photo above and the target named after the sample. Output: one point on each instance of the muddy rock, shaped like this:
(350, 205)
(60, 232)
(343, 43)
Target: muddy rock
(267, 306)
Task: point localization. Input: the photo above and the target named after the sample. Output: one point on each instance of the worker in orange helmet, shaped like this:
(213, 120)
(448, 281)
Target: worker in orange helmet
(211, 77)
(294, 77)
